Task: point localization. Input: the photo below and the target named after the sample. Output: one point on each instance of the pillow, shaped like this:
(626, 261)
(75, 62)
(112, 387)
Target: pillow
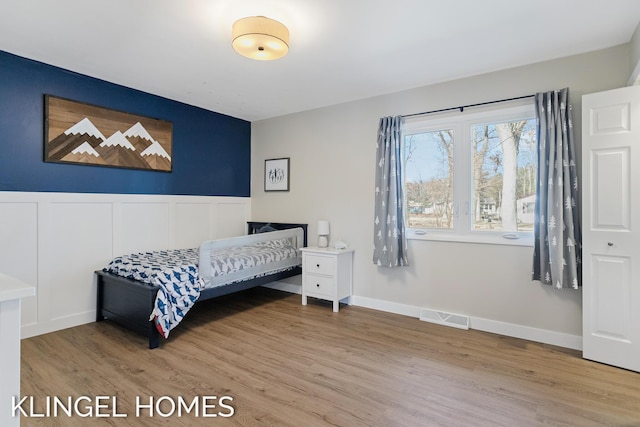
(266, 229)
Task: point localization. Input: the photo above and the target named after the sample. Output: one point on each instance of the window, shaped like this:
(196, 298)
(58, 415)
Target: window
(471, 177)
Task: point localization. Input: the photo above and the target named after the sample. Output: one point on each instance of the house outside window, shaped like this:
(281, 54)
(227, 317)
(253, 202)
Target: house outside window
(471, 176)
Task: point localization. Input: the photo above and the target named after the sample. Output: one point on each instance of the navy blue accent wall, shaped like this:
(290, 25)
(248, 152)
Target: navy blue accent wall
(211, 151)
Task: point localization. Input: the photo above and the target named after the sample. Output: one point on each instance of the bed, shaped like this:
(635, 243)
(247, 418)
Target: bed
(131, 298)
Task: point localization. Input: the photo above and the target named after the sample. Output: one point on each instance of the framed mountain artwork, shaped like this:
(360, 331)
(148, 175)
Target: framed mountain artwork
(85, 134)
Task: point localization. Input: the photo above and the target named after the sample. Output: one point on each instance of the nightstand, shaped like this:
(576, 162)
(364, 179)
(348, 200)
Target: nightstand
(327, 274)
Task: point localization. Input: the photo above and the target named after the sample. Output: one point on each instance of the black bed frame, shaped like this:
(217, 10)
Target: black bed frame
(130, 302)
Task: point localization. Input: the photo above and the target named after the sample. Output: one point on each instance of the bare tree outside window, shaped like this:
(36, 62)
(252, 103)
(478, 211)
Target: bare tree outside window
(504, 159)
(429, 193)
(491, 164)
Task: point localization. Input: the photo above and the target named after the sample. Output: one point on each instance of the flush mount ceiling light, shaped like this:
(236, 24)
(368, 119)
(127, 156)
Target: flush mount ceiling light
(258, 37)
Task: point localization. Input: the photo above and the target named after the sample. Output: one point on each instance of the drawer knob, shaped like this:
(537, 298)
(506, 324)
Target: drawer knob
(318, 285)
(318, 265)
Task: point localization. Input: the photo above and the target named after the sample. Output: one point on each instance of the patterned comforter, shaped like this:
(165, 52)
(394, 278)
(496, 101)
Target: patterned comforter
(176, 272)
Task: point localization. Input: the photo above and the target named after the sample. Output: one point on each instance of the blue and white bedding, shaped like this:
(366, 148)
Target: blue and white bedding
(181, 281)
(231, 264)
(175, 271)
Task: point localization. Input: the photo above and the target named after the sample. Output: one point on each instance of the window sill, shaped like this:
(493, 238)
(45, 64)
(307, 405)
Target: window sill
(513, 239)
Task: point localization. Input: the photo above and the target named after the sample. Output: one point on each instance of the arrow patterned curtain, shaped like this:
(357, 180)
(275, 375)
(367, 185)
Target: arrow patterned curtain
(558, 241)
(390, 244)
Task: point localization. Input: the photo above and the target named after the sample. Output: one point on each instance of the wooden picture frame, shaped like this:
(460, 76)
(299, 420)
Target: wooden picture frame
(276, 174)
(85, 134)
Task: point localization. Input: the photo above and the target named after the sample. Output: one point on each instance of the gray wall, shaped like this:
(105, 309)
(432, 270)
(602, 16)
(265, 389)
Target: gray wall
(635, 57)
(332, 153)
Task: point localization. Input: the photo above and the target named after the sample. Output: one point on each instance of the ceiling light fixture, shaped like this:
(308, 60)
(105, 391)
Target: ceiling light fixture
(258, 37)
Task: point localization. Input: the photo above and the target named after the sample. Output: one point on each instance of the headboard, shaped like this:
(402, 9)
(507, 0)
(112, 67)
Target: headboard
(254, 227)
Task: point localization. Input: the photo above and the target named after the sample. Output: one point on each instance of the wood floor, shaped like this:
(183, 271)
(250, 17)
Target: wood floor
(284, 364)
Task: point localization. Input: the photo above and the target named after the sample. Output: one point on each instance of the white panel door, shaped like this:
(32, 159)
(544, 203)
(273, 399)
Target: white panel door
(611, 239)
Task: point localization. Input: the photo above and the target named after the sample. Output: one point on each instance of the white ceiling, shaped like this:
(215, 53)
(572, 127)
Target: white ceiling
(340, 50)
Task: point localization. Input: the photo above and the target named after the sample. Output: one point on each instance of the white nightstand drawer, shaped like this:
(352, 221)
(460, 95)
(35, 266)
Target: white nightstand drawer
(319, 285)
(319, 264)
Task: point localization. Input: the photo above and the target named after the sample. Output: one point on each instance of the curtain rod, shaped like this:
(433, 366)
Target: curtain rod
(462, 107)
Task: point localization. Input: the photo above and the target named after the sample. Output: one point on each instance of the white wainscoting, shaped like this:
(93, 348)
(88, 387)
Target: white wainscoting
(55, 241)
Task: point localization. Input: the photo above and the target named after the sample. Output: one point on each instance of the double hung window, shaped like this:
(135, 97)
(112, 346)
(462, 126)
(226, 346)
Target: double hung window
(471, 176)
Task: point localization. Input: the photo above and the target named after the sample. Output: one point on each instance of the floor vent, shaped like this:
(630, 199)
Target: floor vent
(460, 321)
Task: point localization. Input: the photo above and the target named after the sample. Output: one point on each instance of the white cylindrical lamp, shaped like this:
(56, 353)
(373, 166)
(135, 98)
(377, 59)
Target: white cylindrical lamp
(323, 233)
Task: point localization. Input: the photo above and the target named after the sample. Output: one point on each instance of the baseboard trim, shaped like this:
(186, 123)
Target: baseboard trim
(390, 307)
(487, 325)
(527, 333)
(40, 328)
(283, 286)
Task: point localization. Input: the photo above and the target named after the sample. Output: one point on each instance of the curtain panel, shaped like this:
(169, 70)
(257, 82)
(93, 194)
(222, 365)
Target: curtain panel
(390, 244)
(558, 239)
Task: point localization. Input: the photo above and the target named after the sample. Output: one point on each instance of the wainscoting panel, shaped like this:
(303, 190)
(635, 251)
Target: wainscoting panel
(55, 241)
(19, 248)
(193, 222)
(71, 246)
(143, 226)
(226, 224)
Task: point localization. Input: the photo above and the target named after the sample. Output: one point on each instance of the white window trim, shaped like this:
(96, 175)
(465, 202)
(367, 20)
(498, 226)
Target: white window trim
(483, 237)
(461, 123)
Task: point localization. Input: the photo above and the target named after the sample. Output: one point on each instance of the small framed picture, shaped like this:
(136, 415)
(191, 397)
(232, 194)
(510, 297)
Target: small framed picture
(276, 174)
